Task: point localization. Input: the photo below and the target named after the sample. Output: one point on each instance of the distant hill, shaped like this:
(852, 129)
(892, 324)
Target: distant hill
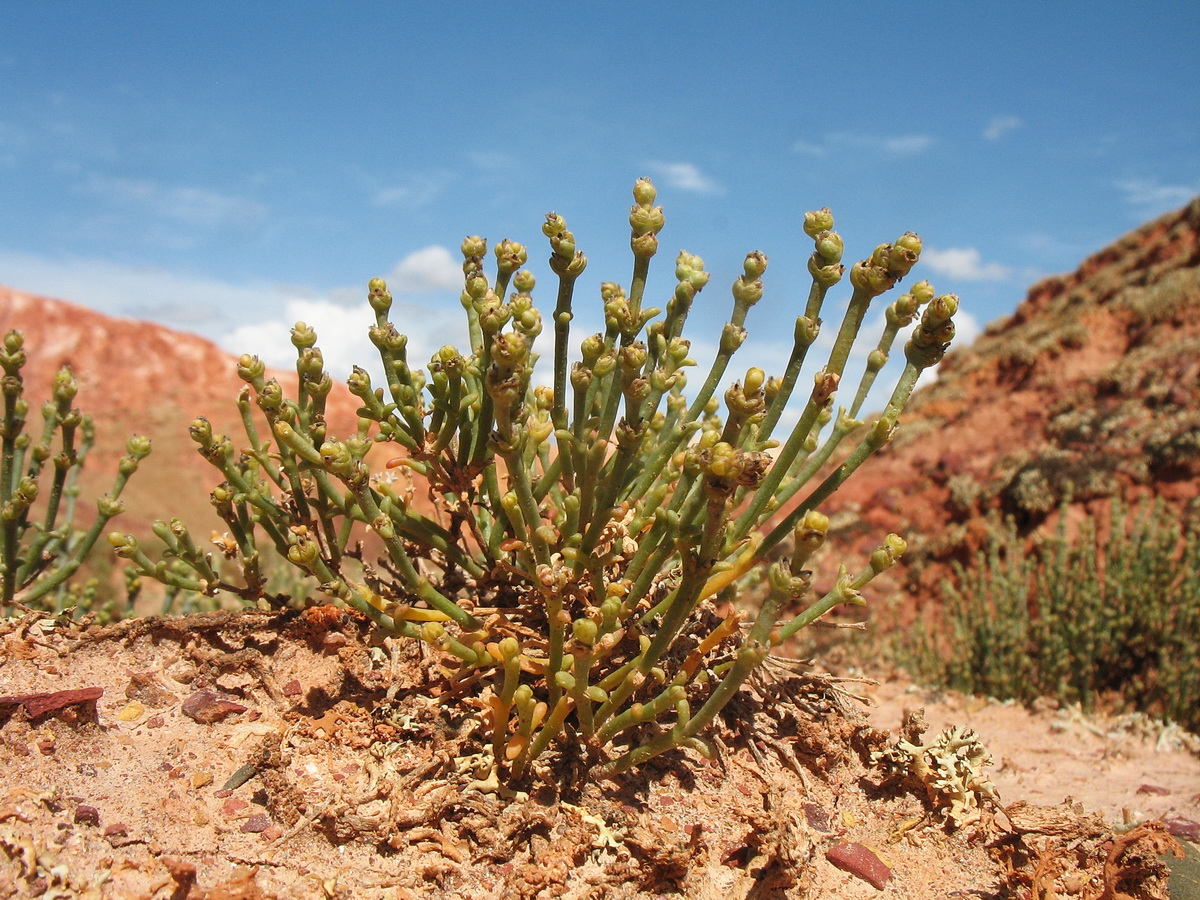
(140, 377)
(1092, 388)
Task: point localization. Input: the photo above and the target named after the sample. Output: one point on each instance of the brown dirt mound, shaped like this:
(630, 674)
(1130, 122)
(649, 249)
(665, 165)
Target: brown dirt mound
(247, 755)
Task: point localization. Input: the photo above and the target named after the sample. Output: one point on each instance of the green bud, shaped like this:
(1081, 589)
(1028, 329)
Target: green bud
(886, 556)
(829, 247)
(732, 337)
(818, 221)
(250, 368)
(922, 292)
(755, 264)
(125, 545)
(378, 295)
(524, 281)
(138, 447)
(825, 276)
(201, 431)
(644, 193)
(646, 220)
(65, 387)
(311, 364)
(554, 224)
(303, 336)
(473, 247)
(585, 631)
(108, 507)
(510, 256)
(876, 360)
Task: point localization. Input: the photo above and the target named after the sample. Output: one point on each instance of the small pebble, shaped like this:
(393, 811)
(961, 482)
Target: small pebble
(207, 707)
(131, 711)
(87, 815)
(257, 824)
(1153, 789)
(155, 722)
(201, 779)
(861, 862)
(293, 688)
(233, 806)
(1184, 828)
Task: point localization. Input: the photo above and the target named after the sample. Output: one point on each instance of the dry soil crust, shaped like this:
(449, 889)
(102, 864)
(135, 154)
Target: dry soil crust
(283, 755)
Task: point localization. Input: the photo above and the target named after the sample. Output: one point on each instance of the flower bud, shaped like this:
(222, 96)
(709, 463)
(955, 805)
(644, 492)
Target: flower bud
(755, 264)
(250, 368)
(510, 256)
(473, 247)
(108, 507)
(378, 295)
(64, 387)
(818, 221)
(829, 247)
(585, 631)
(644, 193)
(922, 292)
(303, 336)
(524, 281)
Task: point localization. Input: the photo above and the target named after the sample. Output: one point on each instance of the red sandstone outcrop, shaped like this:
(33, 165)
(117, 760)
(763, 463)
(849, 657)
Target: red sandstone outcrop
(1091, 388)
(140, 377)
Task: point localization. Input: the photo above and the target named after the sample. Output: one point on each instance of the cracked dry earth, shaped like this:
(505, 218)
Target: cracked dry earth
(253, 755)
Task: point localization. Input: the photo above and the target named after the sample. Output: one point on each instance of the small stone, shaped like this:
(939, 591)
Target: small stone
(207, 707)
(861, 862)
(201, 779)
(116, 830)
(1153, 789)
(46, 745)
(818, 818)
(257, 824)
(273, 833)
(1183, 828)
(293, 688)
(132, 711)
(200, 816)
(145, 687)
(87, 815)
(233, 806)
(155, 722)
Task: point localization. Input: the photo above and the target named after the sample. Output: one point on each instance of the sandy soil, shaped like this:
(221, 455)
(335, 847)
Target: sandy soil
(283, 755)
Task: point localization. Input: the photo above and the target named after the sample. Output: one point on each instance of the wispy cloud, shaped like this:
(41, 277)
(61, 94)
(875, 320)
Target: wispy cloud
(415, 190)
(886, 145)
(1149, 197)
(685, 176)
(192, 205)
(256, 317)
(964, 263)
(1000, 126)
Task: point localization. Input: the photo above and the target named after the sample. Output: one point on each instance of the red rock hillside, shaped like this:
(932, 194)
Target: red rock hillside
(138, 377)
(1092, 387)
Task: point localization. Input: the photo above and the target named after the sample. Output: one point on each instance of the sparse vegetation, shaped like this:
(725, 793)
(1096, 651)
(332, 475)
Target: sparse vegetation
(561, 545)
(41, 548)
(1112, 614)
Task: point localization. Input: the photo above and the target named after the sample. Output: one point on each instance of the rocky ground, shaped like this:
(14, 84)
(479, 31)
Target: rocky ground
(258, 755)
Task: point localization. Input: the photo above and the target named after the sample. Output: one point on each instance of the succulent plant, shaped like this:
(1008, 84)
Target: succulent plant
(576, 535)
(40, 547)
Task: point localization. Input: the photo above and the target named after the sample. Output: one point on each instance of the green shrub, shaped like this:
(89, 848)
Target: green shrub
(1113, 613)
(572, 536)
(40, 547)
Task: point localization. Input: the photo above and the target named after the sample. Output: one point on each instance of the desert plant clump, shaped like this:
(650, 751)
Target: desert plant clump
(40, 546)
(1113, 613)
(563, 545)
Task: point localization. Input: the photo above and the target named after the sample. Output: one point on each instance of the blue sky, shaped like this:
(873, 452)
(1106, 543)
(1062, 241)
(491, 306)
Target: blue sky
(228, 168)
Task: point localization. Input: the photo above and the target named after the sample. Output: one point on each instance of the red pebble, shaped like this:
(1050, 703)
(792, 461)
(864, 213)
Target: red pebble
(860, 861)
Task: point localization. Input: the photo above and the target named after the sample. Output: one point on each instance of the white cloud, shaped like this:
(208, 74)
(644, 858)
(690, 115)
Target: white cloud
(1151, 198)
(965, 263)
(685, 176)
(426, 270)
(886, 145)
(1000, 126)
(257, 317)
(192, 205)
